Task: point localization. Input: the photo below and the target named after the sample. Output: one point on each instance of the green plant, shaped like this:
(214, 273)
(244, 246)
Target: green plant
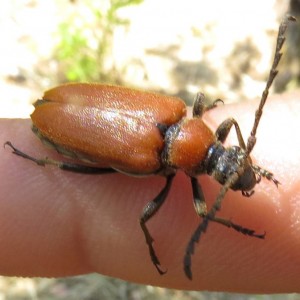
(85, 40)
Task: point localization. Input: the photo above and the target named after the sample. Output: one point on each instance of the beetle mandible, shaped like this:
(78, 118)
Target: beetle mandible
(145, 133)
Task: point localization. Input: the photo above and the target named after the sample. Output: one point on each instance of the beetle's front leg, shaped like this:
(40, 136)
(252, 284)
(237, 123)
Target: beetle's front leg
(224, 129)
(198, 198)
(201, 209)
(148, 212)
(200, 206)
(265, 173)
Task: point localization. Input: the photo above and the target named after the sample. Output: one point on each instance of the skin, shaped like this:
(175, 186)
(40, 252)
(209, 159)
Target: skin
(55, 223)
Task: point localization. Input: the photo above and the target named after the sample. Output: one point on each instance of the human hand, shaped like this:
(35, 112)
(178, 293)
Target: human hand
(55, 223)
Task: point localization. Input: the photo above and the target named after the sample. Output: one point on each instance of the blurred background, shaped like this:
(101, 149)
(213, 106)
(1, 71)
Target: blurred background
(222, 48)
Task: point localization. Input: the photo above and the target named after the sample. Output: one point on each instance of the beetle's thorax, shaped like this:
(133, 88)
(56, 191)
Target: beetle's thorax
(222, 162)
(186, 145)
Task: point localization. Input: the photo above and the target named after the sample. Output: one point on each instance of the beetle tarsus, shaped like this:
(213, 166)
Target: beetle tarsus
(149, 242)
(149, 211)
(266, 174)
(40, 162)
(239, 228)
(200, 107)
(214, 104)
(187, 261)
(66, 166)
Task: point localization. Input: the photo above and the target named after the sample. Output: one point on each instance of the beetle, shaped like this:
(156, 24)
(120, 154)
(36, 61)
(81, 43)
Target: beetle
(117, 129)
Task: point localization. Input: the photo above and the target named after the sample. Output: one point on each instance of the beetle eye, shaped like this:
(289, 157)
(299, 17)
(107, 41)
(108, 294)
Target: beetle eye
(247, 180)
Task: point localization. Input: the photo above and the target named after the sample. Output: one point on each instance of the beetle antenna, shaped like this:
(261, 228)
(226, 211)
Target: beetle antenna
(273, 72)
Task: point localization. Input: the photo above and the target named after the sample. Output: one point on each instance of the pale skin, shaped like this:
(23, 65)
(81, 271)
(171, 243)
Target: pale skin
(55, 223)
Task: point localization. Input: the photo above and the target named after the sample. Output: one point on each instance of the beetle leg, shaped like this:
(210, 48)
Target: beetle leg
(78, 168)
(190, 249)
(210, 216)
(200, 108)
(149, 211)
(265, 173)
(198, 198)
(201, 209)
(238, 228)
(224, 129)
(66, 166)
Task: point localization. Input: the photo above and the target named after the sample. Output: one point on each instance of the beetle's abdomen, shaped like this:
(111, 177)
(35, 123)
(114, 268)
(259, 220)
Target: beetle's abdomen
(187, 144)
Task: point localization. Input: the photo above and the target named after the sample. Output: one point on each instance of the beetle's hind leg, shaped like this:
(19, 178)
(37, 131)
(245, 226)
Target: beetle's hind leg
(66, 166)
(224, 129)
(148, 212)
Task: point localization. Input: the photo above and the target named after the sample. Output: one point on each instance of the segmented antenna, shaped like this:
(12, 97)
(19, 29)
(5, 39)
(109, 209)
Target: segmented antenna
(273, 72)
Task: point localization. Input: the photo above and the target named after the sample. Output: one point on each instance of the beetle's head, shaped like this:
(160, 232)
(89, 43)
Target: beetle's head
(223, 162)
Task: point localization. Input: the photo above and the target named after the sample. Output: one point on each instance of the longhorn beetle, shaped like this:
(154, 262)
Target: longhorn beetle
(139, 133)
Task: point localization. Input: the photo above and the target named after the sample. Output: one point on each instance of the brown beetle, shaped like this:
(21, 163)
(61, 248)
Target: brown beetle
(138, 133)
